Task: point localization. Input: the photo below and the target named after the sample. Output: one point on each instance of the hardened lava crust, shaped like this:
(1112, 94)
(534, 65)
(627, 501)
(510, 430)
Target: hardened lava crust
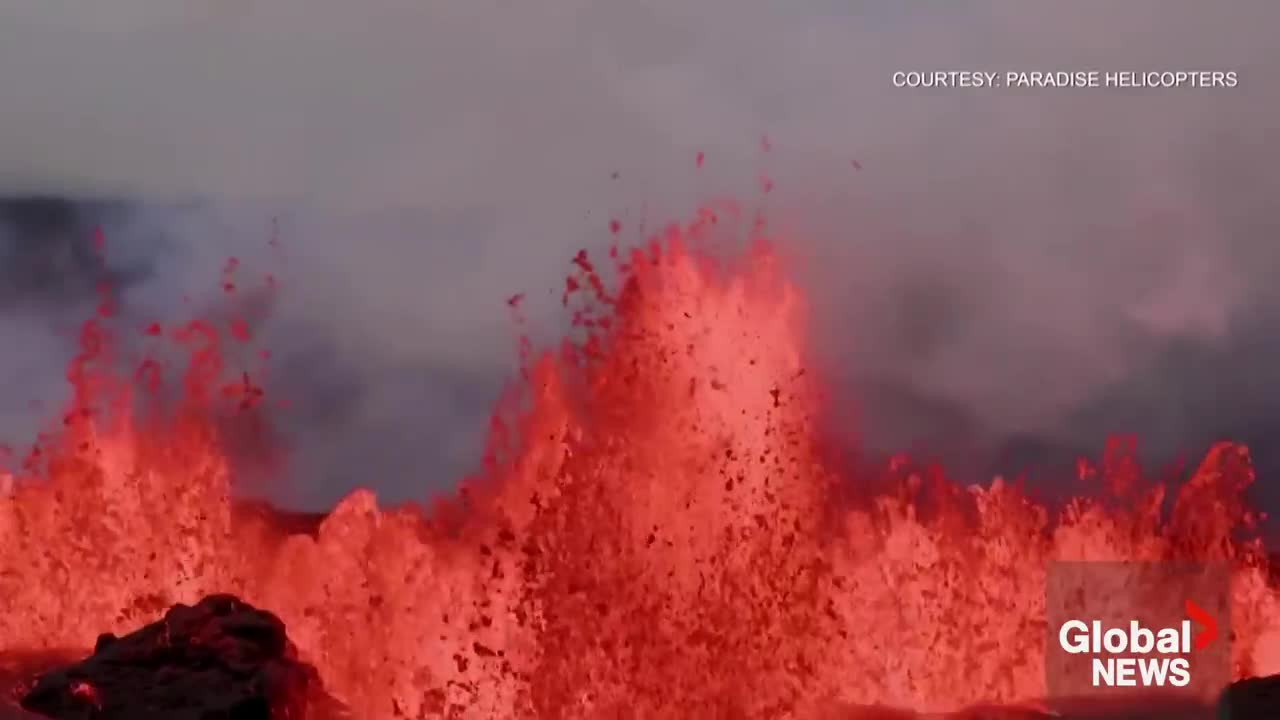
(220, 658)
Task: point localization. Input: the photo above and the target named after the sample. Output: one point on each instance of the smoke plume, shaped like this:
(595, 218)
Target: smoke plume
(998, 277)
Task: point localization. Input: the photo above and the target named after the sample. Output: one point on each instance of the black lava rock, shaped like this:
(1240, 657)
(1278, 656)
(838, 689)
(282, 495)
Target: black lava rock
(1252, 699)
(221, 659)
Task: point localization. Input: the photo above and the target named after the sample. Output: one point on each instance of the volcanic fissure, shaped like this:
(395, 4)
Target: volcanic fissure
(657, 531)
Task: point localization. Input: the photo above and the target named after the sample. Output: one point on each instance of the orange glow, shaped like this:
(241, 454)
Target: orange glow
(656, 535)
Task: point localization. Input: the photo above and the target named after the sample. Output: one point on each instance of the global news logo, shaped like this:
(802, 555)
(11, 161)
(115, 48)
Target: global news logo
(1139, 656)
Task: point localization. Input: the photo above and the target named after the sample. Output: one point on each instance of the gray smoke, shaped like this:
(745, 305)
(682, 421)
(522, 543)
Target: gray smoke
(1010, 276)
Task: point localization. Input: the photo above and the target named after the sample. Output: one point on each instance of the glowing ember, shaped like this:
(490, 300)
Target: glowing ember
(656, 535)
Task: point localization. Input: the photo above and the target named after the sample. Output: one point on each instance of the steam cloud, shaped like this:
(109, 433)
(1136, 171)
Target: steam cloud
(1010, 276)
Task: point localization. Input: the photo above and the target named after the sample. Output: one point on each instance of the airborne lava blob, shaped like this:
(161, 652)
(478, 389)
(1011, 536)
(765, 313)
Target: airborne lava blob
(656, 534)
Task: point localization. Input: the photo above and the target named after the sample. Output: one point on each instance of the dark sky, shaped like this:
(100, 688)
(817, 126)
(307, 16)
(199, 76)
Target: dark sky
(1011, 275)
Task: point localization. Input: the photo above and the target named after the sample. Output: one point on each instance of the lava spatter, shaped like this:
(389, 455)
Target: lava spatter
(654, 534)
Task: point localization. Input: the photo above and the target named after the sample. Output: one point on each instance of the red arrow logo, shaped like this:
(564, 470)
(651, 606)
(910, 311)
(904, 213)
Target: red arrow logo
(1204, 620)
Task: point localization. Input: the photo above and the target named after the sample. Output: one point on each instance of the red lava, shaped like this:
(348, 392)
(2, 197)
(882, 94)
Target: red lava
(656, 533)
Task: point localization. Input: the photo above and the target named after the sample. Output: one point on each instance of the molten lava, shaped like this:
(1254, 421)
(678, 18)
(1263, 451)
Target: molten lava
(656, 534)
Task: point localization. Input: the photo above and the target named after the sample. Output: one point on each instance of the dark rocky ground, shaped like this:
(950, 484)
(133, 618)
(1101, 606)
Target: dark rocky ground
(223, 660)
(220, 659)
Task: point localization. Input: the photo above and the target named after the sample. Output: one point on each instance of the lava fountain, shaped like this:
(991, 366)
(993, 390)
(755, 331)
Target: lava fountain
(656, 532)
